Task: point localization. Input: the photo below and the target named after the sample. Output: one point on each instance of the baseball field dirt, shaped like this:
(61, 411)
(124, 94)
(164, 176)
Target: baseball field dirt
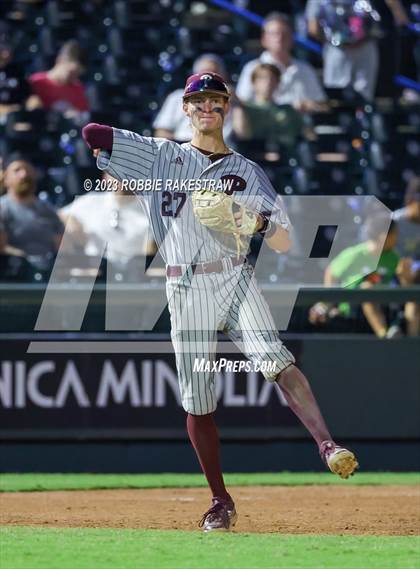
(352, 510)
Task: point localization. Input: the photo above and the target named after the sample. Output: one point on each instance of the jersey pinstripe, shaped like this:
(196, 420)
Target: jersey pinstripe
(180, 237)
(200, 305)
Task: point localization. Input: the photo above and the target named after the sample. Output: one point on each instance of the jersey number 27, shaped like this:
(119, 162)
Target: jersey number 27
(172, 203)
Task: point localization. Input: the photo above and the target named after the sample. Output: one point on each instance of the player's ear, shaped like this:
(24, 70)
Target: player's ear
(185, 108)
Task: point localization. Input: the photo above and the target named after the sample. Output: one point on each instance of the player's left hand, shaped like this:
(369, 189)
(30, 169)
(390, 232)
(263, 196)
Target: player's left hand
(219, 212)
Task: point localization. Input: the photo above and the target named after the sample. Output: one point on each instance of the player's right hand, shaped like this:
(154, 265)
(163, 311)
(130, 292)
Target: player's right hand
(96, 152)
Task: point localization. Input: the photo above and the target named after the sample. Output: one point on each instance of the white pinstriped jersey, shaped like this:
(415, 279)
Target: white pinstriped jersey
(180, 237)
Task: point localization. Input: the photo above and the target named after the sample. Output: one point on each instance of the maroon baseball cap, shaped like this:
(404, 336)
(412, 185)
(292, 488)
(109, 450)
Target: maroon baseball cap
(206, 82)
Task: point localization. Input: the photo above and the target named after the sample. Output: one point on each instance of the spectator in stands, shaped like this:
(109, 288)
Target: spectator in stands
(28, 226)
(347, 270)
(171, 121)
(408, 247)
(299, 85)
(60, 88)
(349, 30)
(408, 219)
(119, 224)
(262, 118)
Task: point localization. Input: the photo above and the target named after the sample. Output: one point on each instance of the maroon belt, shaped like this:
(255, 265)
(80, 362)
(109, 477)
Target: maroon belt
(203, 268)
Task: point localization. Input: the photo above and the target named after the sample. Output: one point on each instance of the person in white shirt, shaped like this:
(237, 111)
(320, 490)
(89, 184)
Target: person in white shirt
(299, 84)
(114, 219)
(171, 122)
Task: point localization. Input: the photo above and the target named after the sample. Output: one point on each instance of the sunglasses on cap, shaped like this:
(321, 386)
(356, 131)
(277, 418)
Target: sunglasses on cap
(206, 84)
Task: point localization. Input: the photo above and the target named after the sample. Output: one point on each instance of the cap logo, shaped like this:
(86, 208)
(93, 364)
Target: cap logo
(207, 82)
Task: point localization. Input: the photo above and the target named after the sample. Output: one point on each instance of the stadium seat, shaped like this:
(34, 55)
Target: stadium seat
(67, 13)
(138, 12)
(387, 185)
(334, 179)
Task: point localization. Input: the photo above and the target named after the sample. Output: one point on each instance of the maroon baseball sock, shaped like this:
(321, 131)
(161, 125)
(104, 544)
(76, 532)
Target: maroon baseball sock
(204, 437)
(302, 402)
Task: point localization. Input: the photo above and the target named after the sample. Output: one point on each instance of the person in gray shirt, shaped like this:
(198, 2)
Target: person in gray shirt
(29, 226)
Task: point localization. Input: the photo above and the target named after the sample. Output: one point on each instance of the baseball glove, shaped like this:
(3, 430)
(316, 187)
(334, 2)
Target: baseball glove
(216, 211)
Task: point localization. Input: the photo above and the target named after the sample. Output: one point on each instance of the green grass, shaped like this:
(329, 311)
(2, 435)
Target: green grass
(88, 548)
(30, 548)
(33, 482)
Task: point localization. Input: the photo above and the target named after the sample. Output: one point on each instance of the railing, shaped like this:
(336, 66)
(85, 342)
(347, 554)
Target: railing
(24, 294)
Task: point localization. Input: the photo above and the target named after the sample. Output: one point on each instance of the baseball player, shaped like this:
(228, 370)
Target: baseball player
(210, 285)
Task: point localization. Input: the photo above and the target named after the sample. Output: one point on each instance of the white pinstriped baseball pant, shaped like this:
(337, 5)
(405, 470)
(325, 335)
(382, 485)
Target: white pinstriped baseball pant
(230, 301)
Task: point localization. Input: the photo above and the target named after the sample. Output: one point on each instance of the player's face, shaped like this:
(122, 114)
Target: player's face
(207, 112)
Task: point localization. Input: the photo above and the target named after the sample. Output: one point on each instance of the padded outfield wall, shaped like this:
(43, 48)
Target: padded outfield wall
(121, 412)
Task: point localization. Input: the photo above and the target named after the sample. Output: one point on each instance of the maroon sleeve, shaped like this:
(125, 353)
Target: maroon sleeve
(98, 136)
